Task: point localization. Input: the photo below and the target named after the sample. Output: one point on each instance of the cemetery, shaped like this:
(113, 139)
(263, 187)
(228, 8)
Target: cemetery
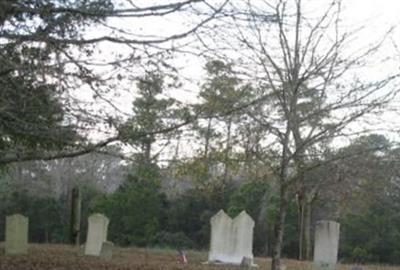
(199, 134)
(231, 247)
(48, 257)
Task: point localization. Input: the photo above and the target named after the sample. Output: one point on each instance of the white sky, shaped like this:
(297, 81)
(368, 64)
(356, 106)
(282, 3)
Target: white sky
(378, 16)
(384, 12)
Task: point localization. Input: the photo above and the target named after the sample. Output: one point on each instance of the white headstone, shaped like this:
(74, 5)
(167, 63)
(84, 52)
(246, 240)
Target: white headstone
(221, 227)
(242, 237)
(231, 240)
(97, 234)
(16, 235)
(326, 244)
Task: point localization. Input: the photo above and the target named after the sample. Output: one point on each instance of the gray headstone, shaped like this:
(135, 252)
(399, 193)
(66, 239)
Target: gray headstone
(326, 244)
(107, 250)
(97, 234)
(16, 235)
(231, 240)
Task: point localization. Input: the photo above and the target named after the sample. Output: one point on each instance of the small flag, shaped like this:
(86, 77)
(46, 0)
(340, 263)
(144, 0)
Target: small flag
(182, 257)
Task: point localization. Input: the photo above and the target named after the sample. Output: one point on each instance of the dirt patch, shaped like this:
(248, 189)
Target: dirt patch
(63, 257)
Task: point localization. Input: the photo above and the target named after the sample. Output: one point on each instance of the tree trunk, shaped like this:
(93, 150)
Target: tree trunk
(301, 227)
(226, 157)
(307, 231)
(305, 211)
(227, 149)
(283, 203)
(75, 221)
(147, 152)
(207, 142)
(279, 231)
(262, 222)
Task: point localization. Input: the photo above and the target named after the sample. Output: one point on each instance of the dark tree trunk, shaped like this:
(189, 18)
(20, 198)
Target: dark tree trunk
(75, 221)
(301, 228)
(307, 231)
(207, 142)
(227, 150)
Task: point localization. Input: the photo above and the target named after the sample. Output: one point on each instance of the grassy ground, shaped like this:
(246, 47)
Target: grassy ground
(61, 257)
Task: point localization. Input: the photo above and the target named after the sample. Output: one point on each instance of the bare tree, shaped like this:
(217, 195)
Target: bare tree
(311, 90)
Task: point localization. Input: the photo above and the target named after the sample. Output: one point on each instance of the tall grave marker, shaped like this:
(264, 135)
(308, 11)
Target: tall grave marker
(97, 234)
(231, 240)
(16, 235)
(326, 244)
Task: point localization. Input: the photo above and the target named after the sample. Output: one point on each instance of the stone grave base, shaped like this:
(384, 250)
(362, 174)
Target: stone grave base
(243, 265)
(324, 266)
(106, 250)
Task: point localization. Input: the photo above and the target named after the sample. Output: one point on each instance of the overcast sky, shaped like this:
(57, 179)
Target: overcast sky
(382, 13)
(378, 16)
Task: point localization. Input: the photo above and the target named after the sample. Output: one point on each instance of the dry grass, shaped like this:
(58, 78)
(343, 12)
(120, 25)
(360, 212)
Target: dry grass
(62, 257)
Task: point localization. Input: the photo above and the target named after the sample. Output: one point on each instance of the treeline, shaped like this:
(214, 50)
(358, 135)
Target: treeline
(149, 208)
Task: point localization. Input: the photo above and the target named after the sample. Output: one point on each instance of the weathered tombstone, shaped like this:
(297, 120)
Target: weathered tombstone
(221, 225)
(326, 244)
(107, 250)
(97, 234)
(242, 237)
(16, 235)
(231, 240)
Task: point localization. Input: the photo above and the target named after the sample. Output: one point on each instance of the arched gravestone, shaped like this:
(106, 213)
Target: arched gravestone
(97, 234)
(326, 244)
(242, 236)
(221, 225)
(16, 235)
(231, 240)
